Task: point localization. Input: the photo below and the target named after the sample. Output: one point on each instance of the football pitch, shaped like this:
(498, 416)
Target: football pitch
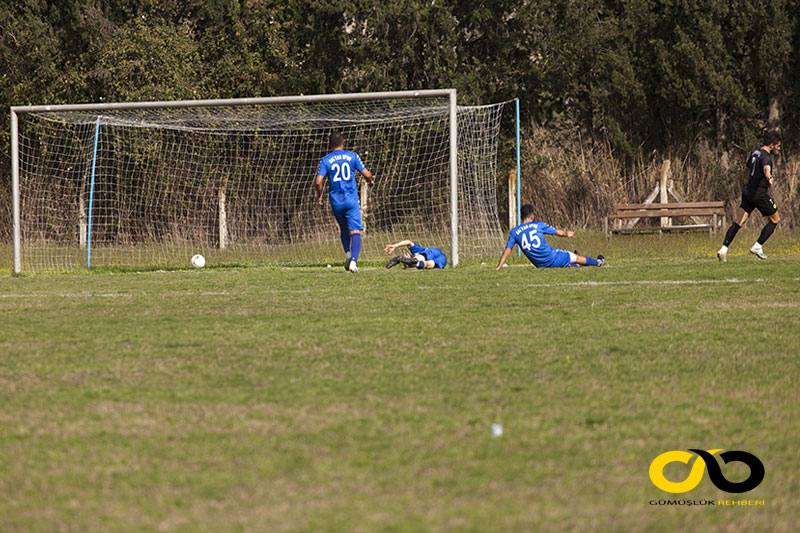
(310, 399)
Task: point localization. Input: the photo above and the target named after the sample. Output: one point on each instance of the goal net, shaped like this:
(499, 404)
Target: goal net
(151, 184)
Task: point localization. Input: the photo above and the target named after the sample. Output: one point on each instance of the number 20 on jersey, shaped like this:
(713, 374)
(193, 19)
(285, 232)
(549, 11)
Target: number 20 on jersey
(340, 172)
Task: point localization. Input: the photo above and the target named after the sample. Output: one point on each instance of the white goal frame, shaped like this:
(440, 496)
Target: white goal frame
(449, 93)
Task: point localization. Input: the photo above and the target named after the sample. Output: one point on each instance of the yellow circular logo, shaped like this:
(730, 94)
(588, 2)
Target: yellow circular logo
(695, 475)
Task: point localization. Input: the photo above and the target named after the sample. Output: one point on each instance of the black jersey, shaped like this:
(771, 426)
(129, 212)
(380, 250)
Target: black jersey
(756, 163)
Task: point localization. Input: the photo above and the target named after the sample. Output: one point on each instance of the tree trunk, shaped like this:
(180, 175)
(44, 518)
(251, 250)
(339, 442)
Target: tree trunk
(774, 119)
(722, 116)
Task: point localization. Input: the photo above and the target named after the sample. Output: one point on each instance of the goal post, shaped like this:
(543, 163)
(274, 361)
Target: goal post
(453, 178)
(16, 230)
(144, 184)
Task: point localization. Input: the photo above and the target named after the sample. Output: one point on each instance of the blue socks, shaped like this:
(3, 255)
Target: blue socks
(355, 245)
(591, 262)
(344, 234)
(421, 265)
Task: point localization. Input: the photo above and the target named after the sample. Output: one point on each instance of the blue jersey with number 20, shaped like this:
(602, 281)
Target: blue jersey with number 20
(340, 166)
(530, 237)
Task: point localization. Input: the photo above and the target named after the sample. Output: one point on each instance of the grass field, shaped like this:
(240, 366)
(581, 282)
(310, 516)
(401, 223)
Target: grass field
(277, 399)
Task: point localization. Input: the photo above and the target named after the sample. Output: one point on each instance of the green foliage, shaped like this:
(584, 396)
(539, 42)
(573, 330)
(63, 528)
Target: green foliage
(647, 74)
(129, 64)
(641, 75)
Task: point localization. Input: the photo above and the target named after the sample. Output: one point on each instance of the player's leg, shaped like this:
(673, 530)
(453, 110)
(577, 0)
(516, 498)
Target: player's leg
(355, 248)
(745, 209)
(344, 233)
(353, 216)
(422, 262)
(403, 257)
(577, 259)
(769, 209)
(410, 261)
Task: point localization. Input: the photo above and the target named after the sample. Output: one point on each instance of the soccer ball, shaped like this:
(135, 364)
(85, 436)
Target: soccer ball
(198, 261)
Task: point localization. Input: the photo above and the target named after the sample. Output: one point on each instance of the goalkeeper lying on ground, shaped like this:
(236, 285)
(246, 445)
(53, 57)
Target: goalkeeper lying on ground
(416, 256)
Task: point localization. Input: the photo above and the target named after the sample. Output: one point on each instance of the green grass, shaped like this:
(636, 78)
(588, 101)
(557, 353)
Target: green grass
(272, 399)
(326, 249)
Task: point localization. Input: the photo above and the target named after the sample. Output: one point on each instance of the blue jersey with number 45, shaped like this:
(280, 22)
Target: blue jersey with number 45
(340, 166)
(530, 237)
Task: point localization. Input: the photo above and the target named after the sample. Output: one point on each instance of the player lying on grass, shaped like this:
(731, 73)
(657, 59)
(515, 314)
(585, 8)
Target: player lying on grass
(530, 237)
(416, 256)
(340, 166)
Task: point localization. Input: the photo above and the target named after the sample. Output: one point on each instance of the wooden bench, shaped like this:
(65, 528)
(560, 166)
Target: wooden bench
(631, 213)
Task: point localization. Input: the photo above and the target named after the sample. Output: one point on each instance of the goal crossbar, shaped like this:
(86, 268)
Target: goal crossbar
(298, 99)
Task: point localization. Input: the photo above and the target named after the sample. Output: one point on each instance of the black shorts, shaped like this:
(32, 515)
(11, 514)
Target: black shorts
(761, 200)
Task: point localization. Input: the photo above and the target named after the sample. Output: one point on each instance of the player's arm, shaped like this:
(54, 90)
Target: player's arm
(367, 174)
(391, 248)
(359, 165)
(318, 186)
(768, 174)
(506, 252)
(562, 233)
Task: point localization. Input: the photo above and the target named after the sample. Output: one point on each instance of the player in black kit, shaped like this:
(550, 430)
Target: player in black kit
(756, 195)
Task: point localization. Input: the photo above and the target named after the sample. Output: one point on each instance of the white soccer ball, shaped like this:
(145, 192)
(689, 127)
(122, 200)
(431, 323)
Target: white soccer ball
(198, 261)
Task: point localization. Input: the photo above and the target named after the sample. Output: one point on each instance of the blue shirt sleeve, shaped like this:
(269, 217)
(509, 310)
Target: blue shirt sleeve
(548, 230)
(359, 165)
(511, 241)
(323, 170)
(416, 249)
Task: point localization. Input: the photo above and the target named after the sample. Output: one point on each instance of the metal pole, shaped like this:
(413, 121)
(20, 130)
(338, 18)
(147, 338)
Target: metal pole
(453, 179)
(519, 188)
(15, 191)
(91, 197)
(388, 95)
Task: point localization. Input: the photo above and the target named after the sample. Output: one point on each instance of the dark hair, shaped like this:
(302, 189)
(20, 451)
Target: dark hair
(771, 137)
(337, 139)
(525, 212)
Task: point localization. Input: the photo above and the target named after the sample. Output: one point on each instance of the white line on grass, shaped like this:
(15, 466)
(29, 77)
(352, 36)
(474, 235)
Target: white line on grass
(601, 283)
(647, 282)
(112, 294)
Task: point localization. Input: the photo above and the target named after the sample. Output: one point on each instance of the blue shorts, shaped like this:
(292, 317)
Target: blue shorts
(560, 258)
(348, 216)
(437, 256)
(430, 254)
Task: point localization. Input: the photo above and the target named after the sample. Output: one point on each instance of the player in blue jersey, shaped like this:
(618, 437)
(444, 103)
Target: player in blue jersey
(756, 195)
(530, 237)
(416, 256)
(340, 167)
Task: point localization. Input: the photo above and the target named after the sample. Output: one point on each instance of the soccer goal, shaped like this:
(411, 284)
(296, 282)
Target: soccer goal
(150, 184)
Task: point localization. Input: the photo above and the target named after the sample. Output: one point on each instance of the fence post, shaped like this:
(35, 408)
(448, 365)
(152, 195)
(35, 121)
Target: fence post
(363, 202)
(223, 215)
(665, 221)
